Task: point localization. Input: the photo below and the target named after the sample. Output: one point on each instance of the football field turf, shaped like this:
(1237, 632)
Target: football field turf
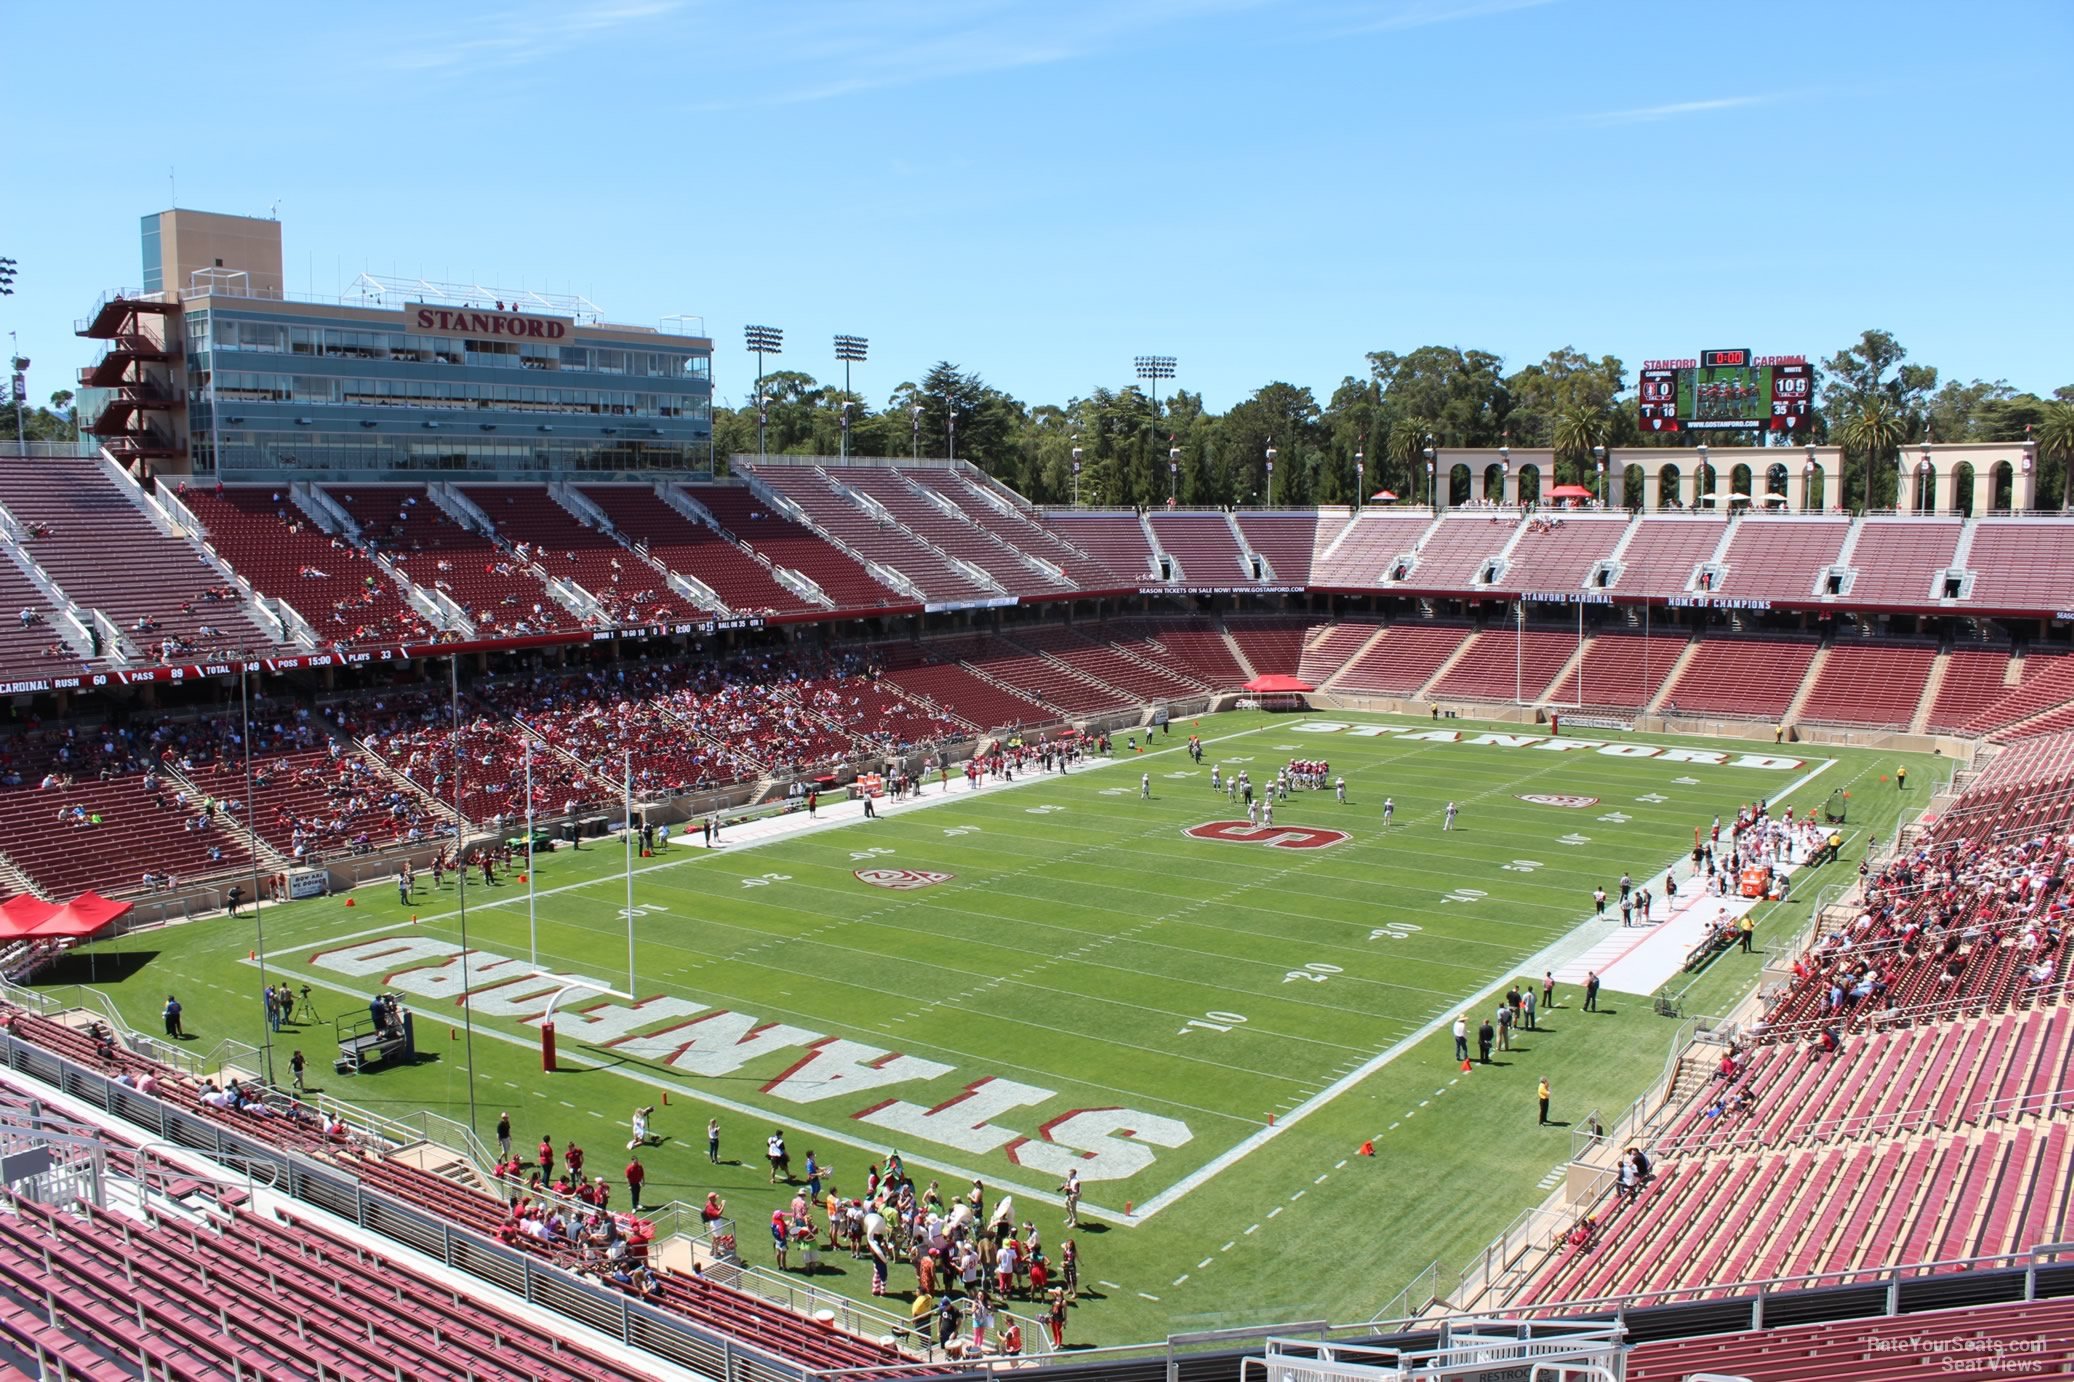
(1207, 1026)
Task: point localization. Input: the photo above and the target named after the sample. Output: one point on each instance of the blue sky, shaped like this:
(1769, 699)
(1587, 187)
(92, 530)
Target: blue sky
(1039, 192)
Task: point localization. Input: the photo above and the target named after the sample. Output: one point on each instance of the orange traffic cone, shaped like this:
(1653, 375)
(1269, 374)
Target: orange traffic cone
(1126, 1209)
(522, 878)
(1466, 1067)
(1271, 1120)
(1368, 1149)
(452, 1035)
(666, 1098)
(350, 902)
(251, 954)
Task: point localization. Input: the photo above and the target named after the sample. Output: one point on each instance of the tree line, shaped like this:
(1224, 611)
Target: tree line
(1871, 399)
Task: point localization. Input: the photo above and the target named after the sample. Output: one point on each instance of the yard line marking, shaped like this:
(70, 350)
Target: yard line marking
(1110, 1284)
(1177, 1281)
(1204, 1263)
(1422, 1104)
(1321, 1179)
(1148, 1296)
(566, 1104)
(1341, 1167)
(1393, 1127)
(1273, 1212)
(1254, 1229)
(1297, 1196)
(1229, 1246)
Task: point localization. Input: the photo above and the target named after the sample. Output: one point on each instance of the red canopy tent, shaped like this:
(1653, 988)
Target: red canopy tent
(83, 916)
(1277, 682)
(1383, 496)
(1569, 492)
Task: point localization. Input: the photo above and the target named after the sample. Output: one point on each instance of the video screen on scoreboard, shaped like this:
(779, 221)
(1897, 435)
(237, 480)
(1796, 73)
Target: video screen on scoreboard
(1726, 390)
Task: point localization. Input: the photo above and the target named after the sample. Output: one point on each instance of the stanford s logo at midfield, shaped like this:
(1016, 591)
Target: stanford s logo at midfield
(1545, 799)
(1277, 836)
(902, 878)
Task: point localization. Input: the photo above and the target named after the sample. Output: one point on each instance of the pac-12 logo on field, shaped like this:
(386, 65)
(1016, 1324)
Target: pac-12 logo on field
(1277, 836)
(902, 878)
(1574, 803)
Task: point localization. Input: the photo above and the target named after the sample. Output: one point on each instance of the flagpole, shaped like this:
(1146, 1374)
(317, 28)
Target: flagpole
(532, 919)
(630, 872)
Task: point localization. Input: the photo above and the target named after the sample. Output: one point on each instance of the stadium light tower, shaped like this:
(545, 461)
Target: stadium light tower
(762, 340)
(950, 427)
(1432, 495)
(1173, 474)
(1599, 457)
(1076, 472)
(916, 413)
(1271, 472)
(1151, 369)
(850, 350)
(1360, 472)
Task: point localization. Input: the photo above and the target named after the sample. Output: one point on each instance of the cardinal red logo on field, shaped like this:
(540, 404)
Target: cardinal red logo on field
(1574, 803)
(902, 878)
(1276, 836)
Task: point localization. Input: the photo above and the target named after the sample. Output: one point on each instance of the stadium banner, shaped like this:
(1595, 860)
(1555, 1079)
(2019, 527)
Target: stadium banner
(1566, 597)
(425, 319)
(1181, 588)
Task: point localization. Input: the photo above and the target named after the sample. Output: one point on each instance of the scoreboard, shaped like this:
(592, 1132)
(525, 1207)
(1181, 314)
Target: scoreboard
(1726, 391)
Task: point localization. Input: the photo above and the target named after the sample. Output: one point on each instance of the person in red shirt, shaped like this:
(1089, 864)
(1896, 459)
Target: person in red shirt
(572, 1157)
(635, 1174)
(547, 1157)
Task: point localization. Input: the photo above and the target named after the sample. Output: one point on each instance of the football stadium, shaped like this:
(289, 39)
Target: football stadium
(501, 883)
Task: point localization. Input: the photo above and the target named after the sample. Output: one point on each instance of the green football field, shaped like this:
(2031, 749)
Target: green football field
(1208, 1028)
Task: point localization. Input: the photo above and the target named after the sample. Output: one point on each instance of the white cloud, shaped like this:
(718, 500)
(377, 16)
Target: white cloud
(530, 33)
(1677, 110)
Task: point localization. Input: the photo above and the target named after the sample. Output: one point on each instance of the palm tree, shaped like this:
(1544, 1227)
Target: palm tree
(1873, 431)
(1408, 447)
(2056, 442)
(1579, 428)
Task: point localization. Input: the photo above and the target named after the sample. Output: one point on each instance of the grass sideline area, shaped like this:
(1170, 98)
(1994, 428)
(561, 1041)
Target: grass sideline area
(1223, 1022)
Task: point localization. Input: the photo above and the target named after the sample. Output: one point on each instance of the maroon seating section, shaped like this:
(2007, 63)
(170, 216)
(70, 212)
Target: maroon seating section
(345, 597)
(694, 550)
(148, 822)
(786, 544)
(253, 1297)
(932, 672)
(1745, 677)
(497, 589)
(413, 735)
(1193, 649)
(106, 555)
(1326, 654)
(1404, 660)
(1899, 560)
(1774, 559)
(1115, 540)
(2023, 562)
(1455, 554)
(872, 538)
(1894, 1349)
(1203, 546)
(1504, 663)
(1867, 683)
(1103, 663)
(953, 536)
(565, 546)
(314, 803)
(1044, 679)
(1367, 549)
(1561, 557)
(1665, 551)
(34, 649)
(1623, 671)
(1013, 523)
(2047, 683)
(1273, 644)
(1973, 682)
(1287, 540)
